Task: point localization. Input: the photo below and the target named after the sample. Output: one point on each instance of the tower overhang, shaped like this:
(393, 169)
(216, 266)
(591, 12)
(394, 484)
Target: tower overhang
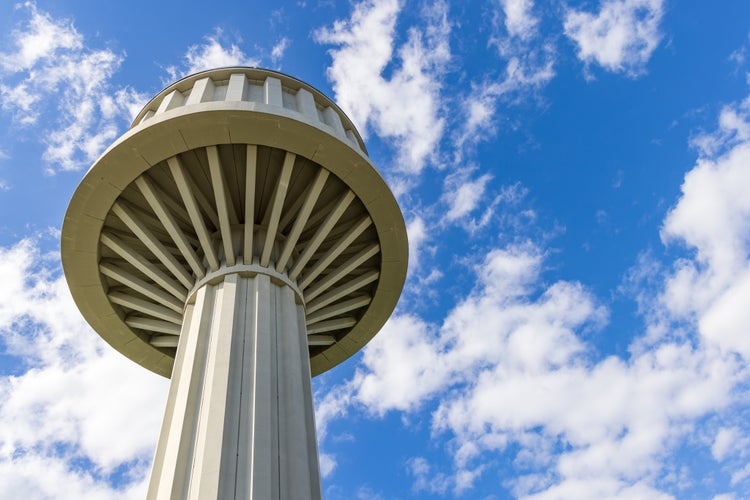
(244, 169)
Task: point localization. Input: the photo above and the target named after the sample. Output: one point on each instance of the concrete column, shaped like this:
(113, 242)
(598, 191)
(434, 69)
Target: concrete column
(239, 421)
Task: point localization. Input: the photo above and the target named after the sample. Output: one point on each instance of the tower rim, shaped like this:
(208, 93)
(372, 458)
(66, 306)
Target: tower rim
(228, 70)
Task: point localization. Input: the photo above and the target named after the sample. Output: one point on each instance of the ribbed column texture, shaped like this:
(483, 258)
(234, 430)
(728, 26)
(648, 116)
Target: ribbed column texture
(239, 421)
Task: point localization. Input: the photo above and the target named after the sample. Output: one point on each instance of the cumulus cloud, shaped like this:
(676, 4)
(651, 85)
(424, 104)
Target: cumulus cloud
(711, 221)
(509, 367)
(620, 37)
(403, 105)
(50, 63)
(73, 399)
(212, 53)
(734, 129)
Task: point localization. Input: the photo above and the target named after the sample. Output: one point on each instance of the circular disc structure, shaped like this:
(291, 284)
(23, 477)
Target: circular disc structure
(235, 170)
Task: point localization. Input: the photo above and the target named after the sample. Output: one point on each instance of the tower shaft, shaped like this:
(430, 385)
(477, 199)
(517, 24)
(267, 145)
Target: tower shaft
(239, 421)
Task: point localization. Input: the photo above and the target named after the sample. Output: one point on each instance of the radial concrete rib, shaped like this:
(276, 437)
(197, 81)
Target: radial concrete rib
(188, 197)
(331, 325)
(320, 340)
(200, 197)
(222, 203)
(291, 213)
(139, 262)
(156, 247)
(341, 271)
(275, 209)
(338, 308)
(153, 292)
(146, 218)
(342, 290)
(335, 250)
(311, 197)
(163, 341)
(145, 306)
(320, 214)
(310, 246)
(175, 207)
(249, 226)
(152, 325)
(148, 190)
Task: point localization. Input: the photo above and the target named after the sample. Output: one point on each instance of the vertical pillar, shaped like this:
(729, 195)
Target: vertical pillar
(239, 421)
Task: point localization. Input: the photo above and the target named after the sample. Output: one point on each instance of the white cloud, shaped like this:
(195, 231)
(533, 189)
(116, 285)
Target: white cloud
(519, 21)
(43, 36)
(403, 350)
(734, 128)
(405, 105)
(278, 50)
(463, 194)
(424, 479)
(418, 236)
(75, 397)
(727, 440)
(327, 464)
(725, 496)
(740, 475)
(494, 324)
(20, 100)
(479, 111)
(51, 59)
(712, 218)
(621, 37)
(522, 73)
(37, 477)
(210, 54)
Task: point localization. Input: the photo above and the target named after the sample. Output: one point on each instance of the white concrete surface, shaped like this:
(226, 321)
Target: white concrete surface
(239, 422)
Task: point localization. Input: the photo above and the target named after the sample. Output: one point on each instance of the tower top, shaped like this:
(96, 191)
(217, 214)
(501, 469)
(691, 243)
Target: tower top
(234, 170)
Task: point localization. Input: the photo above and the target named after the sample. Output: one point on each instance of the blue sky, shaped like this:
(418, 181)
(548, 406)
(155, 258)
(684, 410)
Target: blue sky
(574, 179)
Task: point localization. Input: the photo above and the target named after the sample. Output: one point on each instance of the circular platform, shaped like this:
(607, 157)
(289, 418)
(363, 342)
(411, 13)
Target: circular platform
(235, 170)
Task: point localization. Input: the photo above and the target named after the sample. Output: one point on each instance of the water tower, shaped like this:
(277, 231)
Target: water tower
(238, 240)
